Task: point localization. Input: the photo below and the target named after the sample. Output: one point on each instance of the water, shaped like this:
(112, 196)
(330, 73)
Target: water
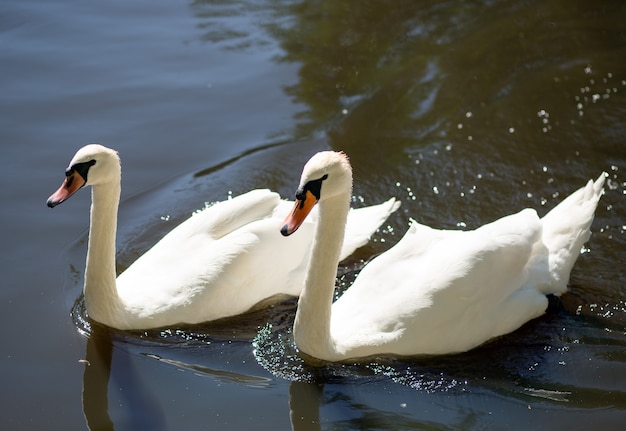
(464, 111)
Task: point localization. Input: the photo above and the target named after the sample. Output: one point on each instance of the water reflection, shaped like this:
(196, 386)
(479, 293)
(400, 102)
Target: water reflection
(110, 366)
(304, 405)
(142, 410)
(367, 73)
(96, 381)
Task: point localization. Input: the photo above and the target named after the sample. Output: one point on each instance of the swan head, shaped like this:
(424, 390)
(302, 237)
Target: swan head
(93, 164)
(326, 175)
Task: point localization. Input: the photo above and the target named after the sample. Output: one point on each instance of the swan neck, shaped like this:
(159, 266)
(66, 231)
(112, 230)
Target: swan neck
(100, 289)
(312, 323)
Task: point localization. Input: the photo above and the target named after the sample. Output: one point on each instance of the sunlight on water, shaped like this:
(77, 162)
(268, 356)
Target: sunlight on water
(276, 352)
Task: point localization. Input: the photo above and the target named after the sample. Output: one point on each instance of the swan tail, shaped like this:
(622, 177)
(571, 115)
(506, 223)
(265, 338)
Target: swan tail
(362, 224)
(566, 228)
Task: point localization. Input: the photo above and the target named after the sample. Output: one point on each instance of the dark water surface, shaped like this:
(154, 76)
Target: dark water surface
(465, 111)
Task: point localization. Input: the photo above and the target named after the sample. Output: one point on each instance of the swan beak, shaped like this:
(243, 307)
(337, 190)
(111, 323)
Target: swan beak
(73, 182)
(296, 217)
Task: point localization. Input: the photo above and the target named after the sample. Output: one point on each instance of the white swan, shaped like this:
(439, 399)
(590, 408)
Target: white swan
(436, 291)
(220, 262)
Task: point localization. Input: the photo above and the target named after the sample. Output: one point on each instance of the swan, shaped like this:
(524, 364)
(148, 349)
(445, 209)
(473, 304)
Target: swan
(218, 263)
(435, 291)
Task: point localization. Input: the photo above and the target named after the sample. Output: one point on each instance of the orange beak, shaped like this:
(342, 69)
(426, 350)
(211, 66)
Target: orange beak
(301, 209)
(73, 182)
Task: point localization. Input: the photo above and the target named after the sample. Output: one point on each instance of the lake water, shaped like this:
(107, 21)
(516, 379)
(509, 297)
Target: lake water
(465, 111)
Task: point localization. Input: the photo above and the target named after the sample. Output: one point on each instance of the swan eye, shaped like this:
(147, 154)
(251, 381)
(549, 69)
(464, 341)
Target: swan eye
(313, 186)
(81, 169)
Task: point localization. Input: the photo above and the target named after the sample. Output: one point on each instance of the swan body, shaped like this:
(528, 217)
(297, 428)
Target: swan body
(435, 291)
(220, 262)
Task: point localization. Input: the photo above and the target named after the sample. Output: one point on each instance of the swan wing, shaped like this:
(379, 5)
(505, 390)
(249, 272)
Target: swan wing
(225, 217)
(441, 291)
(208, 280)
(191, 258)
